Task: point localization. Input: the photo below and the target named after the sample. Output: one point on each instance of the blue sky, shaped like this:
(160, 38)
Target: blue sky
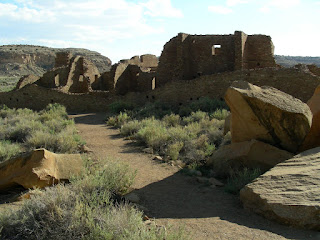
(124, 28)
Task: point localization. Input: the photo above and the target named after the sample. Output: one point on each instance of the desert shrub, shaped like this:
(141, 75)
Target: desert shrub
(208, 105)
(8, 150)
(49, 128)
(130, 128)
(192, 138)
(65, 141)
(53, 111)
(120, 106)
(174, 150)
(171, 120)
(220, 114)
(156, 109)
(154, 135)
(238, 179)
(196, 117)
(118, 120)
(82, 210)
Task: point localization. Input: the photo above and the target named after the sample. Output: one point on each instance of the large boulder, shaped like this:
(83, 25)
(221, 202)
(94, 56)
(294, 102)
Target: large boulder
(39, 169)
(289, 192)
(252, 154)
(268, 115)
(313, 138)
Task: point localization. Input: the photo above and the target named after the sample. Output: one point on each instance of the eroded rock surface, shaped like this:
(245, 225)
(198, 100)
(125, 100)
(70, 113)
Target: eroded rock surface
(289, 192)
(253, 154)
(39, 169)
(313, 138)
(268, 115)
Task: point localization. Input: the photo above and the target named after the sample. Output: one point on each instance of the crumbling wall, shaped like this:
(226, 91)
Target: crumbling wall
(258, 52)
(37, 98)
(76, 77)
(135, 74)
(146, 80)
(26, 80)
(187, 57)
(62, 59)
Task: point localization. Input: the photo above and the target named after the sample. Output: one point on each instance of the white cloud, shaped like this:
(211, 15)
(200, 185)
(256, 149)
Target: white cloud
(284, 3)
(220, 9)
(95, 24)
(235, 2)
(280, 4)
(161, 8)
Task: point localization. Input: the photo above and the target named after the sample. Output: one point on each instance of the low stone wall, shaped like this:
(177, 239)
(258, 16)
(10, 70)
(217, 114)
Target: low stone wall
(295, 82)
(37, 98)
(292, 81)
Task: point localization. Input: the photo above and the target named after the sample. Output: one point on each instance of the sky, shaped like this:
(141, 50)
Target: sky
(120, 29)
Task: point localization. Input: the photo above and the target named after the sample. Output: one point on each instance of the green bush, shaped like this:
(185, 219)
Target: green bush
(174, 150)
(154, 135)
(130, 128)
(49, 128)
(118, 120)
(171, 120)
(238, 179)
(208, 105)
(120, 106)
(82, 210)
(220, 114)
(8, 150)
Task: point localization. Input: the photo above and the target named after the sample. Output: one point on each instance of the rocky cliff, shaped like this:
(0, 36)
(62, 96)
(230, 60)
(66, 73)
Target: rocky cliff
(19, 60)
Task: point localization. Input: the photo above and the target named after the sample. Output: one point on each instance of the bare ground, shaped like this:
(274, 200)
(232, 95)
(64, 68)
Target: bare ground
(174, 199)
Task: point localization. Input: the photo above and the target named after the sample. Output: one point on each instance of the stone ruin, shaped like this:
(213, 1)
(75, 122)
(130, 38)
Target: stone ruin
(130, 75)
(79, 75)
(186, 57)
(190, 67)
(70, 74)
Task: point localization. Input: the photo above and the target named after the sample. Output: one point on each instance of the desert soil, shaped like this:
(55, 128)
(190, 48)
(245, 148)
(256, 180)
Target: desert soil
(177, 200)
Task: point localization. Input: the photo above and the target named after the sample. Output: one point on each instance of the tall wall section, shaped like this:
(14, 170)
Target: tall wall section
(187, 57)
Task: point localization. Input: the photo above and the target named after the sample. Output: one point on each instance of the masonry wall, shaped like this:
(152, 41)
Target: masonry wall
(37, 98)
(258, 52)
(187, 57)
(62, 59)
(292, 81)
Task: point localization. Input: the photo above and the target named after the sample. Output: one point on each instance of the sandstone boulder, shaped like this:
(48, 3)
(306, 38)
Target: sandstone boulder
(268, 115)
(227, 124)
(313, 138)
(289, 192)
(39, 169)
(252, 154)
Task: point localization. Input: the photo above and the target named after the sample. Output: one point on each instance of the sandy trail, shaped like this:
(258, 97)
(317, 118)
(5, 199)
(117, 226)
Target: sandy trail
(178, 200)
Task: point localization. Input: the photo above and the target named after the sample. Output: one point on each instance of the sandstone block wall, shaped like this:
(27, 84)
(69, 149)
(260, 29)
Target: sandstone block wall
(76, 77)
(214, 86)
(62, 59)
(187, 57)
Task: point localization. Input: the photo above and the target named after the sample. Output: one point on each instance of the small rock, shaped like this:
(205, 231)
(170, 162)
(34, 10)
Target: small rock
(202, 179)
(147, 222)
(132, 197)
(198, 173)
(215, 182)
(158, 158)
(84, 149)
(148, 150)
(179, 163)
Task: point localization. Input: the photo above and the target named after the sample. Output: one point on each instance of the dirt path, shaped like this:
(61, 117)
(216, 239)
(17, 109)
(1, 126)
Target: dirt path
(178, 200)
